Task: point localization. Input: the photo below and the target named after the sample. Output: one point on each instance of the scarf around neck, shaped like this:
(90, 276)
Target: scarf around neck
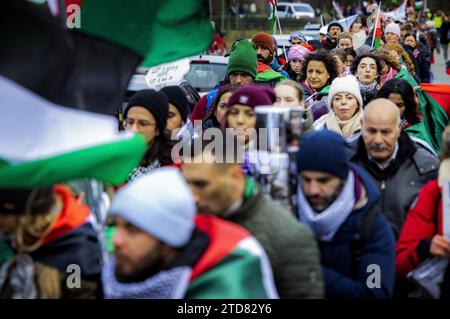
(345, 128)
(327, 223)
(391, 74)
(141, 170)
(167, 284)
(20, 273)
(367, 88)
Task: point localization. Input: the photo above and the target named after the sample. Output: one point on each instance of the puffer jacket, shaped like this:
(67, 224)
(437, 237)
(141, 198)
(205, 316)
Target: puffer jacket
(401, 182)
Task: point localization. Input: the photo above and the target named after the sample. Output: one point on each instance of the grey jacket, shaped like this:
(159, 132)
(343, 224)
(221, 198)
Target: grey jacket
(291, 247)
(402, 180)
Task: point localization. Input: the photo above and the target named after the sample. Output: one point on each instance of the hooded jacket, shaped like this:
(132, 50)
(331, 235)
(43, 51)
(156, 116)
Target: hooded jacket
(71, 241)
(346, 276)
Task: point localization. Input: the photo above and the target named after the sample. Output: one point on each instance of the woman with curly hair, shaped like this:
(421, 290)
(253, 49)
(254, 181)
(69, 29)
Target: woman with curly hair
(391, 64)
(318, 71)
(403, 56)
(367, 68)
(401, 93)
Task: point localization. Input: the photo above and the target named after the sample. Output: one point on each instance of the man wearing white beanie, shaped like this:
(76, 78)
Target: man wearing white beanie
(162, 249)
(346, 108)
(392, 33)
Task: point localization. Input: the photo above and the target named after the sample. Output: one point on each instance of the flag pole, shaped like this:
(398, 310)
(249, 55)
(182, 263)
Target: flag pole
(376, 25)
(322, 21)
(279, 27)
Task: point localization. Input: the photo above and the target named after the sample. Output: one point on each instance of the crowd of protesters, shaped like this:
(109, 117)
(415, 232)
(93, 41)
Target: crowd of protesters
(369, 189)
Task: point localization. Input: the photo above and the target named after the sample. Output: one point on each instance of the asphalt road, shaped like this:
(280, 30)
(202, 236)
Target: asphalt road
(438, 69)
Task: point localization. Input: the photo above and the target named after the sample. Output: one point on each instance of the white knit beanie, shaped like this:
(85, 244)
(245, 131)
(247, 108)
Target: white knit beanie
(160, 203)
(345, 84)
(393, 28)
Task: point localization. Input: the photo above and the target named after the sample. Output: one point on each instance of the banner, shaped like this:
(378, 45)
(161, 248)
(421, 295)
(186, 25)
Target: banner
(398, 14)
(347, 22)
(167, 74)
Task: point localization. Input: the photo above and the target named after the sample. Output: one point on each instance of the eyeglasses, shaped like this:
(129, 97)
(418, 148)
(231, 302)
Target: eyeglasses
(128, 123)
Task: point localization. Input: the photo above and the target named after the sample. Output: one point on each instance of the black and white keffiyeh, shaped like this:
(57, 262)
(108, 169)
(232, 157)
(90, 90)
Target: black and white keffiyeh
(168, 284)
(326, 223)
(20, 276)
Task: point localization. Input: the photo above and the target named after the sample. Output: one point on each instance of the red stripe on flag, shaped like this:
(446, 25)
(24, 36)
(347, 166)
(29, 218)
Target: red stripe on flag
(439, 92)
(223, 238)
(69, 2)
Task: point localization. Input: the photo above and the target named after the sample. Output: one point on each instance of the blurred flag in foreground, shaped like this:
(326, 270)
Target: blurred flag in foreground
(43, 143)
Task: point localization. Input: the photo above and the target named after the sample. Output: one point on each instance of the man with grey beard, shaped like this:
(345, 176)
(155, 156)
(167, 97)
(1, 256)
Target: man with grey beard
(399, 166)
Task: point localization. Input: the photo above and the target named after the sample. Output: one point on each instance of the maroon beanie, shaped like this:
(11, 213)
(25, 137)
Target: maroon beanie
(265, 40)
(253, 95)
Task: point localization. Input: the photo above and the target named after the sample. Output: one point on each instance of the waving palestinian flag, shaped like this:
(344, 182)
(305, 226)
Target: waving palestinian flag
(376, 41)
(233, 266)
(160, 31)
(267, 74)
(435, 119)
(43, 143)
(273, 15)
(89, 68)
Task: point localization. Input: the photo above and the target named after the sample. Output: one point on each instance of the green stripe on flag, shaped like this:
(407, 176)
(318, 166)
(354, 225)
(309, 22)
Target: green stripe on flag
(272, 20)
(269, 75)
(377, 43)
(237, 276)
(109, 162)
(161, 31)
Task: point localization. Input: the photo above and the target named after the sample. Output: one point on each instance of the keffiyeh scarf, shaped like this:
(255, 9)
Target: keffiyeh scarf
(326, 223)
(168, 284)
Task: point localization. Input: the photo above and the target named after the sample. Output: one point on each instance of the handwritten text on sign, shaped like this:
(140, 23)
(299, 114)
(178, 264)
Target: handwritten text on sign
(167, 74)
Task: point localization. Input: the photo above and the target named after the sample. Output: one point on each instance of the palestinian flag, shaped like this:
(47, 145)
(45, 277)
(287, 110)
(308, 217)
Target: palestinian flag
(439, 92)
(90, 68)
(376, 44)
(435, 119)
(233, 266)
(43, 143)
(273, 16)
(63, 66)
(160, 31)
(267, 74)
